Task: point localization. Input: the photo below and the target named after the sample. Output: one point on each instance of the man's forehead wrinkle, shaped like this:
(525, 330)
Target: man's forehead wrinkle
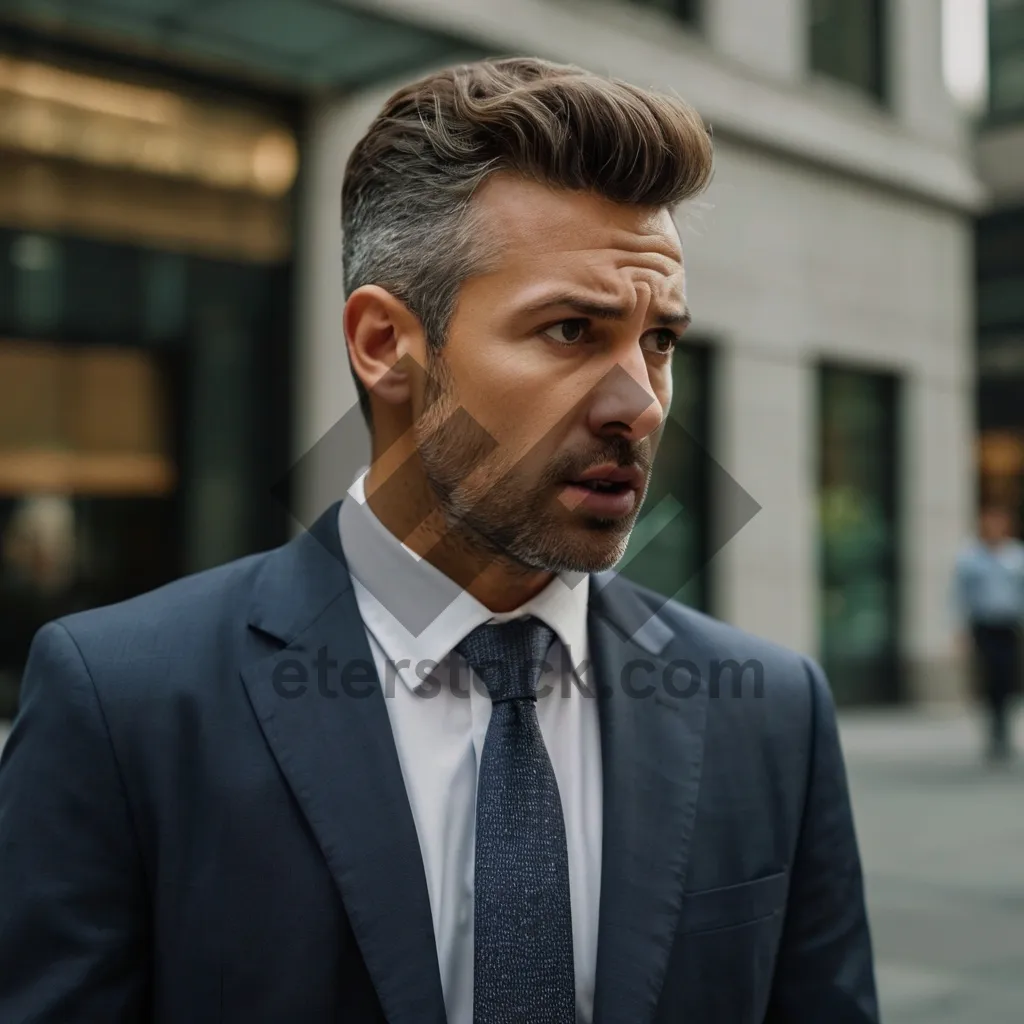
(552, 239)
(620, 284)
(605, 259)
(627, 278)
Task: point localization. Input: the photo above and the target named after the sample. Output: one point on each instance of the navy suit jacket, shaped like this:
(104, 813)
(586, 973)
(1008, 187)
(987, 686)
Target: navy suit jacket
(189, 833)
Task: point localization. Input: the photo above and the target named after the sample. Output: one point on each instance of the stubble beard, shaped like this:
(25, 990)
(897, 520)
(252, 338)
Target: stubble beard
(500, 513)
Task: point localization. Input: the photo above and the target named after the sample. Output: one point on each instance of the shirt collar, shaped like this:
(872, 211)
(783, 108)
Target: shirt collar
(415, 612)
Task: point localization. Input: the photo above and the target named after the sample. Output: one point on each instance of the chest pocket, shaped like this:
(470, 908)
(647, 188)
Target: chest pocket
(732, 905)
(722, 961)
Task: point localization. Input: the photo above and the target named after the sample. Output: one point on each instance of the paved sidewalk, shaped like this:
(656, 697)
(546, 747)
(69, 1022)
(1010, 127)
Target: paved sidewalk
(942, 838)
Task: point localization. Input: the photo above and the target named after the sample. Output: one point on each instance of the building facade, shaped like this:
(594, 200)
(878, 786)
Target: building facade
(1000, 261)
(829, 268)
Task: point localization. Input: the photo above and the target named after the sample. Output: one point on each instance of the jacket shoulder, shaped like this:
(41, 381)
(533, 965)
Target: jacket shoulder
(767, 705)
(176, 606)
(749, 677)
(720, 639)
(182, 621)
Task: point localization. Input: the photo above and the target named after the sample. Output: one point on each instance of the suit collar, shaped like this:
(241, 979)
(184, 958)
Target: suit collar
(652, 747)
(298, 581)
(329, 731)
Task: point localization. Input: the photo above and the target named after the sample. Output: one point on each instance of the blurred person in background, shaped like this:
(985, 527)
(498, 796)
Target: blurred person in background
(39, 544)
(38, 575)
(989, 598)
(181, 804)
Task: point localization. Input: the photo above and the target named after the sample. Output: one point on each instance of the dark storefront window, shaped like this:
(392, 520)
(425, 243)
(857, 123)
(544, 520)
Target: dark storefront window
(1006, 59)
(1000, 311)
(669, 546)
(999, 261)
(848, 43)
(1000, 280)
(145, 255)
(859, 539)
(142, 423)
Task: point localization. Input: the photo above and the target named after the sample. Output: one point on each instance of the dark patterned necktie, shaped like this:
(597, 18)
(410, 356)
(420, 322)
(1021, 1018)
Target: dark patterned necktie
(522, 921)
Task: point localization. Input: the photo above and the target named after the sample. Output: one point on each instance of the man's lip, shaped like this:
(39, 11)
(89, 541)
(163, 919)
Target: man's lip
(630, 475)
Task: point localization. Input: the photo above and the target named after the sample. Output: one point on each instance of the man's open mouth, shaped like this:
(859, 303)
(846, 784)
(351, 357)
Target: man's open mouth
(609, 479)
(603, 486)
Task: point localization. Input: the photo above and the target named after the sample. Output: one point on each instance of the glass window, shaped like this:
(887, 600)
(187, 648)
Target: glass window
(999, 253)
(36, 281)
(684, 10)
(86, 487)
(669, 545)
(847, 42)
(1007, 84)
(102, 291)
(1006, 57)
(230, 313)
(1001, 301)
(63, 553)
(1000, 244)
(145, 325)
(164, 296)
(143, 422)
(859, 538)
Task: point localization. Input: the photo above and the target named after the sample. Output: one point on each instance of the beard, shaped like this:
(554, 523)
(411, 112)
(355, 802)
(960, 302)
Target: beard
(511, 510)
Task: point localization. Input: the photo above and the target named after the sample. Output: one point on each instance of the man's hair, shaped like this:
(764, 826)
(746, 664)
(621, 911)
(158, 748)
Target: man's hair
(407, 221)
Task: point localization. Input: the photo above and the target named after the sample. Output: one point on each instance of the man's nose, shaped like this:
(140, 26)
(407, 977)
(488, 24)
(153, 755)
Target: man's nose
(624, 404)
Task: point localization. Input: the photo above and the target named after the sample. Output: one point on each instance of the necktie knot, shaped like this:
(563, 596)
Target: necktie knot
(508, 656)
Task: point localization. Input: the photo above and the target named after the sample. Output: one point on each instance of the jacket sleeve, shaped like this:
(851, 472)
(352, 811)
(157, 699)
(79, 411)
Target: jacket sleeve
(72, 891)
(825, 971)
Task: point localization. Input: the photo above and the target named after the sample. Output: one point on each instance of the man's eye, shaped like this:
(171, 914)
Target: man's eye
(661, 342)
(568, 332)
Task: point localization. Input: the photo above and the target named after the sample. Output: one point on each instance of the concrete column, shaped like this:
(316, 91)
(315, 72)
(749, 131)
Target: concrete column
(920, 98)
(324, 389)
(937, 493)
(768, 36)
(765, 578)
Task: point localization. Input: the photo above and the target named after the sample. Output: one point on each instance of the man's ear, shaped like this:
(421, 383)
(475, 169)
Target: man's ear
(386, 343)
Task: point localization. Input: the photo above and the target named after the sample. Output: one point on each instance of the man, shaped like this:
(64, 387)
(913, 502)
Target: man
(989, 594)
(433, 760)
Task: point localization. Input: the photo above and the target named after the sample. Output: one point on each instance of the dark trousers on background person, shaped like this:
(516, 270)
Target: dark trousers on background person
(998, 652)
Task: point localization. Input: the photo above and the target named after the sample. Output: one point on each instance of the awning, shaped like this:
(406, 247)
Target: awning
(305, 45)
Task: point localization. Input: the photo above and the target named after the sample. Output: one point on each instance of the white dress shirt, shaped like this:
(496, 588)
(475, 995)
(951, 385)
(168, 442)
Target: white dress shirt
(440, 723)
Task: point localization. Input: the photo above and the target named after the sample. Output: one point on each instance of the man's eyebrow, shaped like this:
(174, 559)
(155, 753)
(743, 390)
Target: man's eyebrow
(604, 310)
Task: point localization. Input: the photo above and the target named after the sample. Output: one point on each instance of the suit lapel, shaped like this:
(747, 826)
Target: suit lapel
(338, 755)
(652, 751)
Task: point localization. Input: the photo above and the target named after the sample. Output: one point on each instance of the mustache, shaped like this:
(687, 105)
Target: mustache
(618, 451)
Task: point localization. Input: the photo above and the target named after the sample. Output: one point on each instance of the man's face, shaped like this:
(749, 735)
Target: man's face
(996, 525)
(560, 356)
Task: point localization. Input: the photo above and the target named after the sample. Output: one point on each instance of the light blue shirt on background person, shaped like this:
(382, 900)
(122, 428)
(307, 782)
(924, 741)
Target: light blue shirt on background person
(989, 584)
